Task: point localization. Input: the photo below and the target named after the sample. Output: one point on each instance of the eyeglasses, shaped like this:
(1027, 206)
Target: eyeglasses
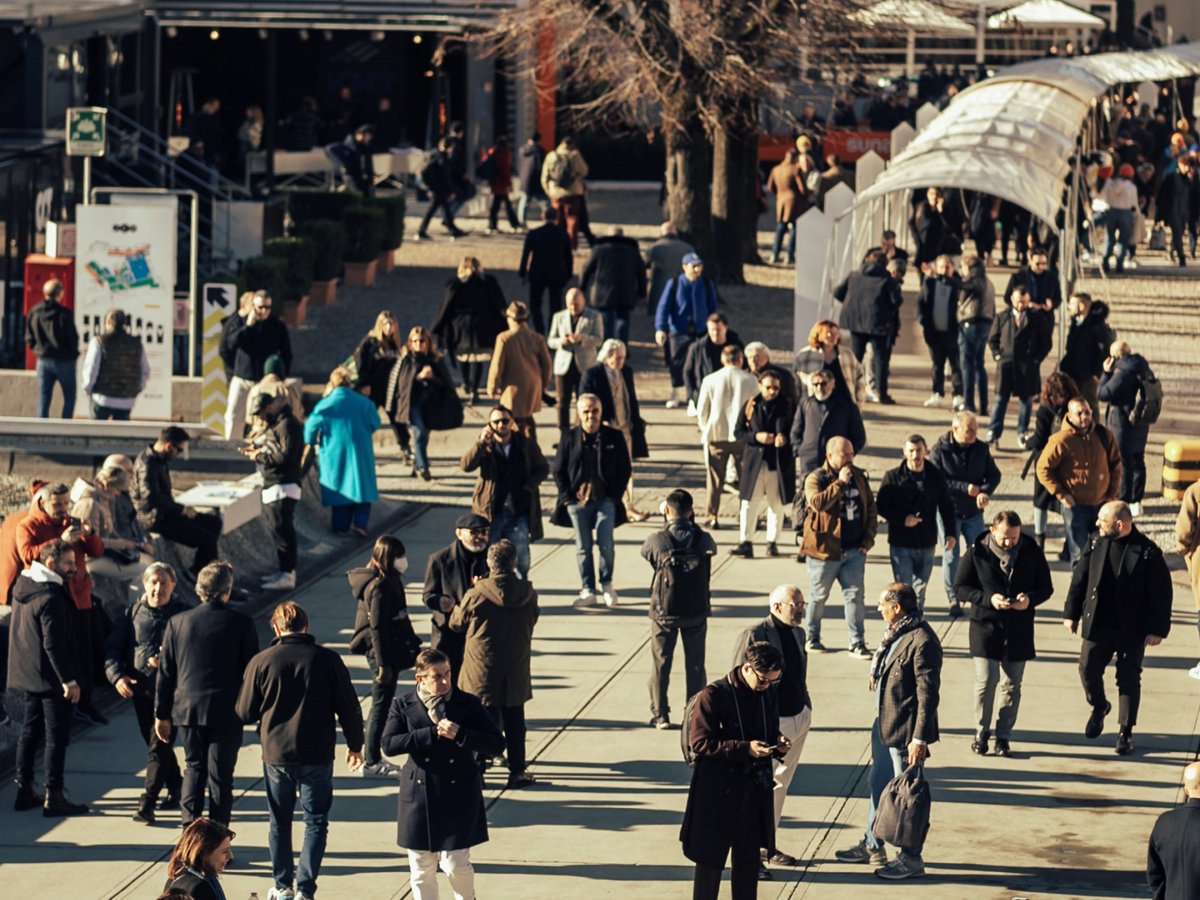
(262, 305)
(818, 383)
(765, 679)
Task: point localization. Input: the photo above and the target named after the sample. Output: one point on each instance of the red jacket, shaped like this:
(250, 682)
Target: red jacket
(10, 559)
(38, 529)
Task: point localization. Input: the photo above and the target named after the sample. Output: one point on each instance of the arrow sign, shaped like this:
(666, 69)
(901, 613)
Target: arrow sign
(218, 295)
(219, 303)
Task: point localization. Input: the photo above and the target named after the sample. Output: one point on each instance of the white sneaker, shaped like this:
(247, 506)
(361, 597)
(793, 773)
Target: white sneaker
(990, 437)
(959, 403)
(611, 597)
(1194, 671)
(934, 400)
(276, 894)
(1131, 263)
(586, 598)
(692, 408)
(284, 581)
(872, 397)
(1135, 508)
(673, 401)
(270, 577)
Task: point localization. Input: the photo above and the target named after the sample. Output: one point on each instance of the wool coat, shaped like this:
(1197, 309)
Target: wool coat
(497, 615)
(520, 371)
(342, 424)
(1004, 634)
(441, 787)
(773, 417)
(595, 381)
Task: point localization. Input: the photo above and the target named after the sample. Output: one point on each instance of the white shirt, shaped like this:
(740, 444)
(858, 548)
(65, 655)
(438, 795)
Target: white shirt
(1119, 193)
(723, 398)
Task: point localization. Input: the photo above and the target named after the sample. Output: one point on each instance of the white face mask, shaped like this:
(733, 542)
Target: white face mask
(401, 564)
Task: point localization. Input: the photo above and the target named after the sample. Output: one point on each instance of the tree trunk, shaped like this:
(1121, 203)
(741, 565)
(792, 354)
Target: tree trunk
(689, 172)
(735, 198)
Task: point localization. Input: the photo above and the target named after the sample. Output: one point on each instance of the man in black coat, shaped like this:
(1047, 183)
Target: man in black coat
(1172, 863)
(449, 574)
(733, 734)
(871, 302)
(1119, 602)
(912, 497)
(1178, 196)
(1123, 374)
(439, 181)
(1021, 338)
(1040, 279)
(591, 472)
(50, 333)
(1004, 575)
(157, 509)
(937, 313)
(41, 663)
(440, 814)
(906, 675)
(1088, 340)
(294, 689)
(546, 265)
(614, 279)
(821, 415)
(704, 355)
(277, 453)
(205, 651)
(254, 338)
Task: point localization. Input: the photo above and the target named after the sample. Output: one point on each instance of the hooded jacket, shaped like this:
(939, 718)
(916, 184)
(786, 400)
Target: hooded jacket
(280, 450)
(497, 615)
(870, 299)
(50, 331)
(41, 652)
(1083, 465)
(382, 612)
(1118, 388)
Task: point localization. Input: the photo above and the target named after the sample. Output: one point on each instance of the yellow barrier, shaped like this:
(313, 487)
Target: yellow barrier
(1181, 467)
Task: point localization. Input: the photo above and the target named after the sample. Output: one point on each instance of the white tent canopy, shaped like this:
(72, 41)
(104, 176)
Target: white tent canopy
(1045, 14)
(919, 16)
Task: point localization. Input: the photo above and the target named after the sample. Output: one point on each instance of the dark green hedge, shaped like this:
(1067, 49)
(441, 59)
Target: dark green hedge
(393, 219)
(299, 254)
(264, 273)
(329, 244)
(364, 233)
(310, 204)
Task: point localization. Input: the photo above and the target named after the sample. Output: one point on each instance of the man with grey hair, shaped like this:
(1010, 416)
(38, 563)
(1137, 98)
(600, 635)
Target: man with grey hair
(575, 335)
(204, 654)
(782, 629)
(719, 410)
(758, 358)
(1119, 602)
(664, 260)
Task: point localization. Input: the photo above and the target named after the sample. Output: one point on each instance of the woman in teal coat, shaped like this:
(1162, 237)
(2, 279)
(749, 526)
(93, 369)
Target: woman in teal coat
(342, 425)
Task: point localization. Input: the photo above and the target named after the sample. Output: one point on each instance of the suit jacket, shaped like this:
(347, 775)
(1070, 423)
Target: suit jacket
(595, 381)
(908, 688)
(1141, 593)
(204, 654)
(768, 631)
(448, 574)
(1172, 863)
(546, 256)
(722, 403)
(589, 326)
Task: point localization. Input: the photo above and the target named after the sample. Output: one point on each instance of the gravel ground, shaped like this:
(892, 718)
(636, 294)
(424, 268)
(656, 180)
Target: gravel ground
(14, 493)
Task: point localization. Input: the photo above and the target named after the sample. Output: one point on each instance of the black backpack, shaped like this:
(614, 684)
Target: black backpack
(560, 171)
(1148, 401)
(685, 727)
(680, 585)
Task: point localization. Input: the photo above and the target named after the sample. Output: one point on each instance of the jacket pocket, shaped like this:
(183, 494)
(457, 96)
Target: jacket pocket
(408, 784)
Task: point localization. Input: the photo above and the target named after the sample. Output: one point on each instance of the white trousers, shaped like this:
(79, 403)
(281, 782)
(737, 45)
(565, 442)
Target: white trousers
(795, 729)
(235, 409)
(423, 866)
(766, 491)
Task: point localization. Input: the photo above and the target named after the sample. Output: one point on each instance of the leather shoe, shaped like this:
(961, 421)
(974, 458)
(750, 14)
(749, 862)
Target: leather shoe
(764, 874)
(1002, 748)
(1124, 742)
(779, 858)
(979, 746)
(1095, 722)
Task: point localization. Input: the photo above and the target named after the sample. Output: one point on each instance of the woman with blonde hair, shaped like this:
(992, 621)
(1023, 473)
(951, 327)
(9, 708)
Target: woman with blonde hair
(200, 856)
(341, 426)
(420, 394)
(469, 320)
(825, 351)
(374, 358)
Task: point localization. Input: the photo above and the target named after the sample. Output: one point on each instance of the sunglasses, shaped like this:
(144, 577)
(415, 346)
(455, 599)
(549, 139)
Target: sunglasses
(504, 421)
(762, 676)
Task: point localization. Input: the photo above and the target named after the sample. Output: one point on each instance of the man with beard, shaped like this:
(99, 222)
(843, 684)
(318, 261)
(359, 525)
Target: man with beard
(449, 574)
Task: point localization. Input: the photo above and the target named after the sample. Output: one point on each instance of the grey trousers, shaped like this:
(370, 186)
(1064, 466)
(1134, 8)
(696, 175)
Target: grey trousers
(1008, 675)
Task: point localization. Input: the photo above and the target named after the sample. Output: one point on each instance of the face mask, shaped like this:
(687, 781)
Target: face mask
(400, 564)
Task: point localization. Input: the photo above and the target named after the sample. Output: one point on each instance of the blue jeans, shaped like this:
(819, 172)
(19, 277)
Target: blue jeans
(781, 228)
(972, 344)
(848, 572)
(585, 518)
(886, 764)
(1000, 407)
(1118, 220)
(1079, 521)
(50, 371)
(343, 516)
(314, 784)
(913, 565)
(508, 524)
(420, 436)
(966, 530)
(616, 324)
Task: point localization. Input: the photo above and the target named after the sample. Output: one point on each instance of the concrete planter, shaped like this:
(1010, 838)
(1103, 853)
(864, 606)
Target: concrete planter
(361, 274)
(294, 313)
(323, 293)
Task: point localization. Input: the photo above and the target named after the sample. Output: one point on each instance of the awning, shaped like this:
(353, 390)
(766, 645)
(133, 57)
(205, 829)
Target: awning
(1045, 14)
(919, 16)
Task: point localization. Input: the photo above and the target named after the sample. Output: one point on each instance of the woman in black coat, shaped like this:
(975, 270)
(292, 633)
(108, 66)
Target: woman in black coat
(768, 469)
(131, 664)
(469, 320)
(200, 856)
(1003, 577)
(420, 394)
(384, 632)
(374, 357)
(444, 731)
(1119, 388)
(1058, 390)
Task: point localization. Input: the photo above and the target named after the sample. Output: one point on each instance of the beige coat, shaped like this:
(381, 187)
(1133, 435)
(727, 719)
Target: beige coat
(578, 170)
(520, 371)
(1187, 536)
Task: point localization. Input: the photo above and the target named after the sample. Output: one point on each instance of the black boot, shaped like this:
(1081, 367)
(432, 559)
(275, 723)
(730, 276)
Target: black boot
(145, 810)
(26, 798)
(59, 804)
(1041, 540)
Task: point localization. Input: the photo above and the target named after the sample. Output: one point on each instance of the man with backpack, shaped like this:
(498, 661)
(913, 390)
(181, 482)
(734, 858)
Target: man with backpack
(681, 555)
(439, 181)
(562, 180)
(1134, 397)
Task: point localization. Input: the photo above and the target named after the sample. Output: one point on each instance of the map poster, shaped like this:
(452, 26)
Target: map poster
(125, 259)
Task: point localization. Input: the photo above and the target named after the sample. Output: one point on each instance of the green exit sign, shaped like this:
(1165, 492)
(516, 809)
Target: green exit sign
(85, 130)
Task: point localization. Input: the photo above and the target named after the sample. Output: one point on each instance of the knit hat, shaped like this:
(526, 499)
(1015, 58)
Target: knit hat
(274, 366)
(1126, 170)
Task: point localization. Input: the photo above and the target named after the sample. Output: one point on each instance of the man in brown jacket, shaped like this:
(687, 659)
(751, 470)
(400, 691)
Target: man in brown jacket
(839, 528)
(521, 369)
(1081, 467)
(511, 469)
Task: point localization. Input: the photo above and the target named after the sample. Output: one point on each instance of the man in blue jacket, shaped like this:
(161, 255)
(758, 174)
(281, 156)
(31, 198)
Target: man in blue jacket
(684, 306)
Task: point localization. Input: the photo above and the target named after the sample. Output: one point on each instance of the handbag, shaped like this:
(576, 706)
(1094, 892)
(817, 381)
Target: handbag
(902, 816)
(1158, 238)
(122, 556)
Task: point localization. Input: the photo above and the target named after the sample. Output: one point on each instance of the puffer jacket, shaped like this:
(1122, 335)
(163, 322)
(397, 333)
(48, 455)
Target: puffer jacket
(498, 615)
(963, 465)
(136, 637)
(382, 616)
(1085, 466)
(280, 450)
(824, 501)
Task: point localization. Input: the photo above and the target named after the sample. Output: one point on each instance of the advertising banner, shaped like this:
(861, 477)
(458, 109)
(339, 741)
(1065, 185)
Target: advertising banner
(125, 259)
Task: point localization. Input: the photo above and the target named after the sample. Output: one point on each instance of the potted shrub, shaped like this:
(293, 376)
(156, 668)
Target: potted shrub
(328, 243)
(393, 228)
(307, 205)
(297, 253)
(363, 227)
(263, 273)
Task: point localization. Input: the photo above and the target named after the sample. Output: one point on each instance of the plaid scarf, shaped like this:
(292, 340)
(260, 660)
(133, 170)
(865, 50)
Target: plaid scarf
(435, 703)
(897, 629)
